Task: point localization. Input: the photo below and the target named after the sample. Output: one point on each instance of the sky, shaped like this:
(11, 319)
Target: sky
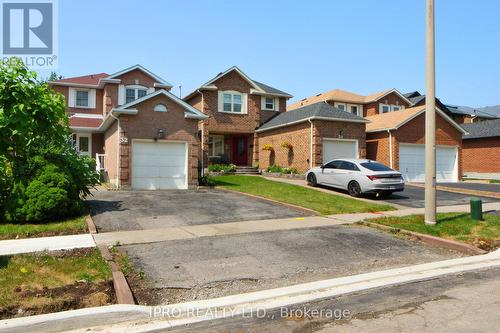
(301, 47)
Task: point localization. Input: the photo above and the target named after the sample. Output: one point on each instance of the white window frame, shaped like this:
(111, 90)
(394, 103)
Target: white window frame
(211, 145)
(91, 97)
(358, 109)
(77, 91)
(75, 137)
(381, 108)
(232, 93)
(160, 107)
(276, 103)
(136, 89)
(336, 104)
(396, 108)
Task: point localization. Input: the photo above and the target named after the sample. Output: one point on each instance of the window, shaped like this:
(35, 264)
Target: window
(160, 108)
(340, 106)
(384, 108)
(348, 166)
(215, 145)
(375, 166)
(133, 93)
(82, 98)
(232, 102)
(81, 143)
(333, 164)
(354, 109)
(396, 108)
(269, 103)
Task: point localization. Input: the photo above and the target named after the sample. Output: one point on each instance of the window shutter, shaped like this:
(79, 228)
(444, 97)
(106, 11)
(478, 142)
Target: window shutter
(276, 104)
(92, 99)
(244, 102)
(71, 97)
(121, 94)
(262, 102)
(220, 101)
(151, 90)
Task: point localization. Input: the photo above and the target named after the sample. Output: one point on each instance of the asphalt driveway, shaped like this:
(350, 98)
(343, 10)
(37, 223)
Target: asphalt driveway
(138, 210)
(184, 270)
(474, 186)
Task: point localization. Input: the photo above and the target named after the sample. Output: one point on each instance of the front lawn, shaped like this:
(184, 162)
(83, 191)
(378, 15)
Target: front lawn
(70, 226)
(456, 226)
(49, 282)
(323, 203)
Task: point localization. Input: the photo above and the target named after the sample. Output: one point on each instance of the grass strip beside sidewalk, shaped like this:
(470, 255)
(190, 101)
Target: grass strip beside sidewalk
(70, 226)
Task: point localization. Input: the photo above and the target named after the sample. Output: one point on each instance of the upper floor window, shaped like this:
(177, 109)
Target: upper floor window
(82, 98)
(133, 93)
(232, 101)
(354, 109)
(396, 108)
(340, 106)
(270, 103)
(384, 108)
(160, 108)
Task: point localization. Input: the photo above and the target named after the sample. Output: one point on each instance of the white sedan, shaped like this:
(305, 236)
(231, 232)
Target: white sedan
(357, 176)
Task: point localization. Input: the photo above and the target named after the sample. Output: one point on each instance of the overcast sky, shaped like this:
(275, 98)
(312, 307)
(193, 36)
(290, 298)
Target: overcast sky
(301, 47)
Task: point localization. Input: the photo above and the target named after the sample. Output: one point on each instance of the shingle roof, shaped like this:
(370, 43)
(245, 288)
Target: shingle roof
(482, 129)
(336, 94)
(269, 89)
(92, 79)
(484, 112)
(391, 120)
(317, 110)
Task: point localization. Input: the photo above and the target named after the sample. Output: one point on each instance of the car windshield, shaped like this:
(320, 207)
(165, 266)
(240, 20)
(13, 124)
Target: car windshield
(374, 166)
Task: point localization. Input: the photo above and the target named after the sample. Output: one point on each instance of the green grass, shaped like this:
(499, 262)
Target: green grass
(323, 203)
(22, 274)
(457, 226)
(75, 225)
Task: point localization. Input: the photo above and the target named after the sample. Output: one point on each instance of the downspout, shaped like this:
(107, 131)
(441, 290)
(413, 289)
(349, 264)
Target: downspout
(117, 150)
(390, 149)
(311, 145)
(202, 135)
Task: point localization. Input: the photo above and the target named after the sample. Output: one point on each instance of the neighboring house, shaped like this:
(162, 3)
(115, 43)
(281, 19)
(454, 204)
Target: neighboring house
(397, 139)
(236, 106)
(417, 99)
(147, 136)
(481, 149)
(363, 106)
(467, 115)
(310, 136)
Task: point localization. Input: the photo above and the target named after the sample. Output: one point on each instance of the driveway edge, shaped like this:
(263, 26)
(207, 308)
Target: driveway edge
(432, 240)
(478, 193)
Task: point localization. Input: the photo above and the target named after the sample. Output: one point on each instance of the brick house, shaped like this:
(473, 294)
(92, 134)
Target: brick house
(141, 134)
(397, 139)
(481, 149)
(236, 106)
(310, 136)
(363, 106)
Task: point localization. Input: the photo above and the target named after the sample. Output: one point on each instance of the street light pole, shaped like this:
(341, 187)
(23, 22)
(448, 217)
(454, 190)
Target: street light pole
(430, 119)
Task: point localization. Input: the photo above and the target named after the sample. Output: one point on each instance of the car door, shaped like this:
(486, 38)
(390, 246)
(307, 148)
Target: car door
(345, 173)
(329, 172)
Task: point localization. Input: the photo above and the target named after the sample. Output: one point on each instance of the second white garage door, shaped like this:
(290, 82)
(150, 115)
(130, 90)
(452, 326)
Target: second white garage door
(412, 163)
(334, 148)
(159, 165)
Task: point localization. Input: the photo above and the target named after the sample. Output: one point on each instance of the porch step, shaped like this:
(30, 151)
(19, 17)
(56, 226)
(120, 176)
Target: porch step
(241, 170)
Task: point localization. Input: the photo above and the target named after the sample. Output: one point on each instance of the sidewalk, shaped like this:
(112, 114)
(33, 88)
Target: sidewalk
(27, 245)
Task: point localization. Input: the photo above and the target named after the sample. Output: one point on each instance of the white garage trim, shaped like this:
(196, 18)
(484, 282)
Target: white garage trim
(445, 172)
(331, 140)
(186, 160)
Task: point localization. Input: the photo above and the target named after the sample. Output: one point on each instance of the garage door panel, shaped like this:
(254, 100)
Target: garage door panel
(159, 165)
(333, 149)
(412, 163)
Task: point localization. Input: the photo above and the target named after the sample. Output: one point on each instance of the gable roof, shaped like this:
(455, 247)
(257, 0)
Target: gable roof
(92, 79)
(396, 119)
(144, 70)
(345, 96)
(482, 129)
(319, 111)
(191, 111)
(258, 87)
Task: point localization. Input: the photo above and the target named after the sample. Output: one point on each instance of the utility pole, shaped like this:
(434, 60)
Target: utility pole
(430, 118)
(180, 91)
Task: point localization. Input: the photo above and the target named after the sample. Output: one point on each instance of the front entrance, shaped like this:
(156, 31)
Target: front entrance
(240, 150)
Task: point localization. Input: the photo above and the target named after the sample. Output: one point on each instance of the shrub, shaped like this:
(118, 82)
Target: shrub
(267, 147)
(278, 169)
(206, 181)
(222, 168)
(292, 171)
(286, 145)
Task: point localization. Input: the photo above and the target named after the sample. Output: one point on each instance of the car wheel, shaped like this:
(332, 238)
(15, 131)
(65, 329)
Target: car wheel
(354, 189)
(311, 180)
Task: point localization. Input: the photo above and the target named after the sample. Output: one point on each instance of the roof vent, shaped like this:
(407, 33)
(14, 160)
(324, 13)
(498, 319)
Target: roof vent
(319, 94)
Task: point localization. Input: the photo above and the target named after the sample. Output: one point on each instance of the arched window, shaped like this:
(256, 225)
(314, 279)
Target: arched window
(160, 108)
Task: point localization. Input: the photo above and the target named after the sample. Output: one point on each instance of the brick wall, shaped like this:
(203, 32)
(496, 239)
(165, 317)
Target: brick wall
(333, 130)
(97, 144)
(145, 125)
(98, 101)
(372, 109)
(110, 149)
(481, 155)
(378, 147)
(298, 156)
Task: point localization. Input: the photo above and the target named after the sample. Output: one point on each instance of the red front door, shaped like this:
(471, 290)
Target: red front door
(240, 150)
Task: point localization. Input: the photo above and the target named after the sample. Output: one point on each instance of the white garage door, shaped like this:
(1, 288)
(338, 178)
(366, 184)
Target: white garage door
(159, 165)
(333, 149)
(412, 163)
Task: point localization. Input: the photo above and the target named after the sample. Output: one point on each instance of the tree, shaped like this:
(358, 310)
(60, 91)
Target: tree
(54, 76)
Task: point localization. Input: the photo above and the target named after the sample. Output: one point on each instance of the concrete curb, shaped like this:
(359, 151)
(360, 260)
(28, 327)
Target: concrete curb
(432, 240)
(90, 224)
(307, 210)
(121, 318)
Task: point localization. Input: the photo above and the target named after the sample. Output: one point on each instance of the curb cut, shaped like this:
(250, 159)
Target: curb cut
(307, 210)
(433, 240)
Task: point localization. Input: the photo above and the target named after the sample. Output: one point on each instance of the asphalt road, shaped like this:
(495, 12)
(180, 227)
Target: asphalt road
(466, 302)
(139, 210)
(218, 266)
(474, 186)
